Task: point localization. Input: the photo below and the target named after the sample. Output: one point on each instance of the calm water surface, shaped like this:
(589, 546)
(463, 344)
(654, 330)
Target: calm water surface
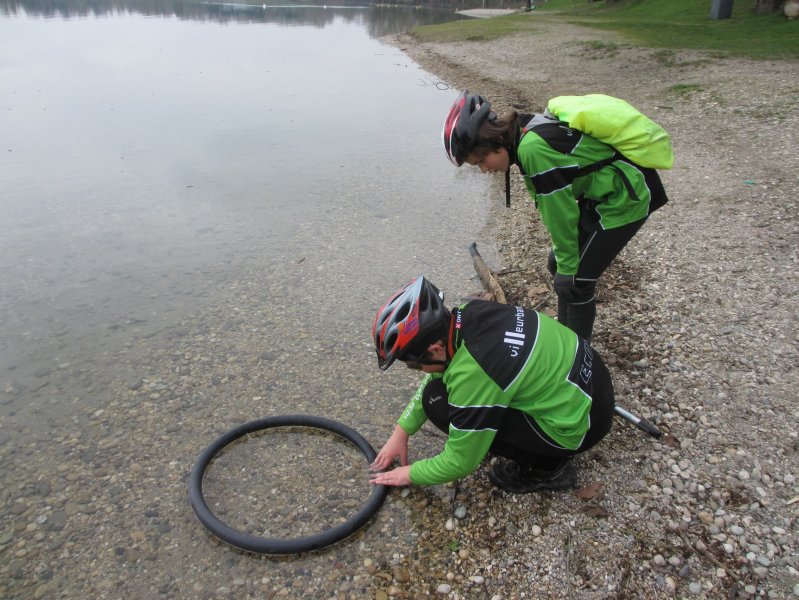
(150, 158)
(203, 205)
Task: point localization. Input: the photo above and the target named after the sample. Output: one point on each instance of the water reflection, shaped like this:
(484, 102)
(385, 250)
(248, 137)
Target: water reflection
(199, 220)
(379, 19)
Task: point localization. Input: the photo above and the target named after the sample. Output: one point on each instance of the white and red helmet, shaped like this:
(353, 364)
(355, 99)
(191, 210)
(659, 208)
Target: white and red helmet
(461, 129)
(411, 320)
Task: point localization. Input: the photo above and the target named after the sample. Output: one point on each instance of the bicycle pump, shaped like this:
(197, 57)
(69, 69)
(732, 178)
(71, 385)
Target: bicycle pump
(639, 422)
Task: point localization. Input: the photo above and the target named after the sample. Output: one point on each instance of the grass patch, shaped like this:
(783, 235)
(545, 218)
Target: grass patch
(685, 89)
(668, 58)
(601, 46)
(672, 25)
(476, 29)
(600, 49)
(686, 24)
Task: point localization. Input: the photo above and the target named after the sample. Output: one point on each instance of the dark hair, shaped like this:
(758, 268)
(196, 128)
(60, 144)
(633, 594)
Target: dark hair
(502, 132)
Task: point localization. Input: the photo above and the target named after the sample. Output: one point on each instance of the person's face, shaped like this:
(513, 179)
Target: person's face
(496, 161)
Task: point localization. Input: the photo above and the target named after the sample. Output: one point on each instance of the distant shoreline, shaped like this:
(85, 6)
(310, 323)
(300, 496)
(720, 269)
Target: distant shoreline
(485, 13)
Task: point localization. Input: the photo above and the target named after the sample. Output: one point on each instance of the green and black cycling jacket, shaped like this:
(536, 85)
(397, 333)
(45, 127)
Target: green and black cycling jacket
(504, 357)
(550, 158)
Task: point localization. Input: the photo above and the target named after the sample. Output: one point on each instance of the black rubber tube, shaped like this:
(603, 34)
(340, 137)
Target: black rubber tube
(264, 545)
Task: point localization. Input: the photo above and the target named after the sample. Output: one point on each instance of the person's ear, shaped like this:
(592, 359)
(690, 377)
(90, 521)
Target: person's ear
(437, 346)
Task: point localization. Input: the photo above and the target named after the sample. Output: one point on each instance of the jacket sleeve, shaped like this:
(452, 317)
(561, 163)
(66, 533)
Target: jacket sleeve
(548, 179)
(413, 417)
(560, 215)
(461, 455)
(476, 406)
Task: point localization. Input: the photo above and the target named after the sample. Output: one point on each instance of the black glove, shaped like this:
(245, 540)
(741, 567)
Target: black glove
(566, 287)
(552, 264)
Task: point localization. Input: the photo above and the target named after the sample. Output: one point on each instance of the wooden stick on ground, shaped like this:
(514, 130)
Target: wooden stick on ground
(490, 282)
(706, 554)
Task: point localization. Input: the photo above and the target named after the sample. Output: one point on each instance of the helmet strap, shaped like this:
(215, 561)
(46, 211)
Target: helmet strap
(513, 144)
(433, 362)
(507, 187)
(453, 339)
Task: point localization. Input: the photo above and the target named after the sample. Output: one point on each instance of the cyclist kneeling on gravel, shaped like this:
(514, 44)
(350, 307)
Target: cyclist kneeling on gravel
(500, 379)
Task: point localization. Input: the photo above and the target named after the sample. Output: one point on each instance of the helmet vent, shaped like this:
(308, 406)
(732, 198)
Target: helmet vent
(391, 341)
(424, 302)
(402, 311)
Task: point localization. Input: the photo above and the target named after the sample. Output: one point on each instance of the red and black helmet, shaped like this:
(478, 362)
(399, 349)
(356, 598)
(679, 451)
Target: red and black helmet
(409, 322)
(461, 129)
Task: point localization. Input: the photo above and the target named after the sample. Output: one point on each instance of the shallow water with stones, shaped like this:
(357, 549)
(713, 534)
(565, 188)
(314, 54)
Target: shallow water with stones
(153, 299)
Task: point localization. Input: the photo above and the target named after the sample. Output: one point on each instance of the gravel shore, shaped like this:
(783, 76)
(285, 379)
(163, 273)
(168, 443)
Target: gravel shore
(697, 319)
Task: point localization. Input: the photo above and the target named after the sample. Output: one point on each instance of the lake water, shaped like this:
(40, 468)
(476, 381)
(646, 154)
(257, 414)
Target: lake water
(149, 159)
(203, 205)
